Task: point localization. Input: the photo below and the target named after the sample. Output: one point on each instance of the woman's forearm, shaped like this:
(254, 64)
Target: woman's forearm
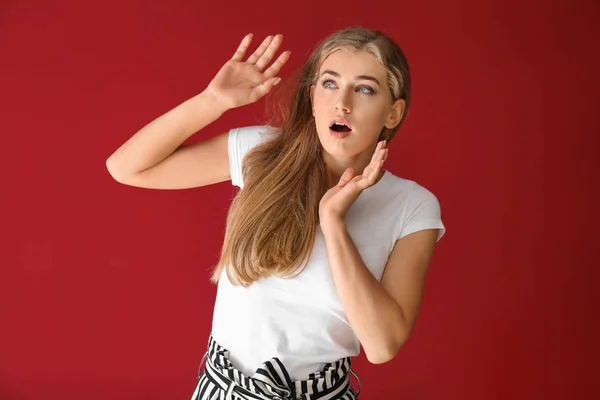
(161, 137)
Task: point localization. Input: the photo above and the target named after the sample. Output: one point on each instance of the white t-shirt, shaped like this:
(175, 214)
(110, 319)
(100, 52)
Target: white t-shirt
(301, 320)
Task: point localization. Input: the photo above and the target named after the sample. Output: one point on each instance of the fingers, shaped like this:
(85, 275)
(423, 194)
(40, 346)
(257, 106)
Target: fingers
(380, 151)
(260, 50)
(268, 54)
(276, 66)
(371, 172)
(243, 47)
(347, 176)
(264, 88)
(263, 54)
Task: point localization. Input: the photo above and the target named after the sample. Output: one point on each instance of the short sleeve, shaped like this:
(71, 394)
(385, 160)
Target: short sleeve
(423, 212)
(240, 142)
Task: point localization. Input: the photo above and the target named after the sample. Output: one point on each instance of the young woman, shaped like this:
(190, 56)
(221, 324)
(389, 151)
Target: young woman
(324, 250)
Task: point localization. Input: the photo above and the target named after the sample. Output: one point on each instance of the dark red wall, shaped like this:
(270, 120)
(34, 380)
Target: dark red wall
(104, 290)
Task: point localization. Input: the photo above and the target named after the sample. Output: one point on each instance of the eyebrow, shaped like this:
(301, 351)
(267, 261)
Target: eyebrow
(359, 77)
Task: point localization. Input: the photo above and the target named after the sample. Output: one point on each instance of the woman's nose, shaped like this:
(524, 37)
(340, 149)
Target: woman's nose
(343, 103)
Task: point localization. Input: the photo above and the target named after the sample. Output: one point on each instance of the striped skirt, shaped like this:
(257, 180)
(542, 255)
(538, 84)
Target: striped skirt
(220, 380)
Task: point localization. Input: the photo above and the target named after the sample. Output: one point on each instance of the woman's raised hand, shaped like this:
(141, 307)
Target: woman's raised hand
(241, 82)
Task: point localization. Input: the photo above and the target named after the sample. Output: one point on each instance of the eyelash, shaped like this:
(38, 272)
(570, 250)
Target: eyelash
(371, 90)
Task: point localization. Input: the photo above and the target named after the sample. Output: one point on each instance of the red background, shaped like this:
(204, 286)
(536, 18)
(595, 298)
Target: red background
(104, 288)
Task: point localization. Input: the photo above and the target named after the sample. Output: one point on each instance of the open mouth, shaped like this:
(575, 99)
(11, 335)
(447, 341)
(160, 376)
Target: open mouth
(339, 127)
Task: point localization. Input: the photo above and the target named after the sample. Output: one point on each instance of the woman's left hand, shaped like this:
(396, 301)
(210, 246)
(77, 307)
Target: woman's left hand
(336, 202)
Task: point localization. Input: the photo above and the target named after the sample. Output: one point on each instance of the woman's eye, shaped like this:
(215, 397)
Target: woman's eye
(328, 84)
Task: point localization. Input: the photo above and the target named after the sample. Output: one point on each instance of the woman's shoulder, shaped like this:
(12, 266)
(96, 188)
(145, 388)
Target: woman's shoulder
(243, 139)
(262, 131)
(410, 188)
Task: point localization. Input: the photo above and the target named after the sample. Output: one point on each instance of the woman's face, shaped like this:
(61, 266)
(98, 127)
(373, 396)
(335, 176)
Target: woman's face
(352, 103)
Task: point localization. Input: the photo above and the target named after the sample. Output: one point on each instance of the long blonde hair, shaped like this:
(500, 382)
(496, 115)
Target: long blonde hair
(271, 223)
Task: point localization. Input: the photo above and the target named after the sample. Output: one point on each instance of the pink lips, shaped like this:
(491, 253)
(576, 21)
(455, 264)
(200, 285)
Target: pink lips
(339, 135)
(340, 120)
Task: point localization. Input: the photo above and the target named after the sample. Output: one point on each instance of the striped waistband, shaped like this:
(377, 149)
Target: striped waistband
(271, 381)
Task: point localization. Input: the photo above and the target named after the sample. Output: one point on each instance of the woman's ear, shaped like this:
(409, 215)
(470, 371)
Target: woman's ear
(396, 113)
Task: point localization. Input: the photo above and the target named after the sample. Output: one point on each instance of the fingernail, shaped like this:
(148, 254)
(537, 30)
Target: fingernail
(277, 81)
